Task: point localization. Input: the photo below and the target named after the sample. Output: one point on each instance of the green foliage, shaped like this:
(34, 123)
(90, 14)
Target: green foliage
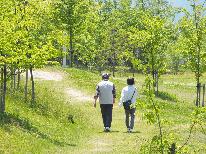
(192, 38)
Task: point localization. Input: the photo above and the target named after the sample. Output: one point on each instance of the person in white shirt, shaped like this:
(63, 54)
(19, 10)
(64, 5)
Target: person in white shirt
(106, 93)
(129, 93)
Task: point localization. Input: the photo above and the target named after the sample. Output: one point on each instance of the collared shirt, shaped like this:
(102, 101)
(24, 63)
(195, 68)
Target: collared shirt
(106, 92)
(127, 93)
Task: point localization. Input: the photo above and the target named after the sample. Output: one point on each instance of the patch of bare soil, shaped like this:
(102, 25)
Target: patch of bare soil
(78, 95)
(47, 75)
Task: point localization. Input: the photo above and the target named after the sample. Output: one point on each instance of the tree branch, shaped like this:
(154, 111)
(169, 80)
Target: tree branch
(191, 128)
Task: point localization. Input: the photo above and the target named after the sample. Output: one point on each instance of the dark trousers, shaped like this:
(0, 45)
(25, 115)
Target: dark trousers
(106, 110)
(130, 122)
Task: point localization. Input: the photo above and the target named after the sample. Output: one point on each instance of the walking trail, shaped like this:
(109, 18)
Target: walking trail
(72, 93)
(97, 143)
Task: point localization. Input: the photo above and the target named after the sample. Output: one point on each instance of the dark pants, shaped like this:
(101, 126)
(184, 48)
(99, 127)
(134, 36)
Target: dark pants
(130, 113)
(106, 110)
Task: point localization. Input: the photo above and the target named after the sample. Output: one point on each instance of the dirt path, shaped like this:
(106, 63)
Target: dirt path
(95, 144)
(71, 93)
(43, 75)
(78, 95)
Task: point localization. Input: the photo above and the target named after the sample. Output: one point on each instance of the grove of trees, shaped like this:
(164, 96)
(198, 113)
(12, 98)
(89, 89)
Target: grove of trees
(143, 35)
(136, 35)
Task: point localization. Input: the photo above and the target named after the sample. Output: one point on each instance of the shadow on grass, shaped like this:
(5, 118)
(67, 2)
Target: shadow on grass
(166, 96)
(11, 119)
(41, 107)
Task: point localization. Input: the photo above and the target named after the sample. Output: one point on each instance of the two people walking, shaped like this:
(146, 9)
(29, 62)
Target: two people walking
(106, 93)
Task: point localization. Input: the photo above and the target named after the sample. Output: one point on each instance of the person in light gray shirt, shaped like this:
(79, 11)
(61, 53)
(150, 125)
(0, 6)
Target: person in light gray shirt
(106, 93)
(129, 93)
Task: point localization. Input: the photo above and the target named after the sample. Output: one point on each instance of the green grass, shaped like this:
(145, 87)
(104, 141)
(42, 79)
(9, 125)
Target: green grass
(45, 128)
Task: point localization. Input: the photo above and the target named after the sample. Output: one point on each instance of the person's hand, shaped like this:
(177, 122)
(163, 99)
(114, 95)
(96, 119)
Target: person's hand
(95, 98)
(119, 104)
(95, 104)
(113, 100)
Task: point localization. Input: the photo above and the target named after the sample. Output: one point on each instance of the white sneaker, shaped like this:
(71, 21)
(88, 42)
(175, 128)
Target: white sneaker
(128, 130)
(107, 129)
(131, 130)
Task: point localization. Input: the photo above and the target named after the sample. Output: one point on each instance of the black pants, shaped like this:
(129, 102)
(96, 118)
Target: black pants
(106, 110)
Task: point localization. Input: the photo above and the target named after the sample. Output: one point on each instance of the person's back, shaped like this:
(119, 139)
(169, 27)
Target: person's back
(105, 90)
(129, 94)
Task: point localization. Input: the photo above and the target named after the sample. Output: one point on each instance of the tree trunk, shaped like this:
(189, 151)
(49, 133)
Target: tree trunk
(32, 84)
(14, 79)
(26, 86)
(1, 87)
(18, 79)
(4, 89)
(198, 58)
(172, 149)
(71, 46)
(157, 83)
(203, 97)
(114, 53)
(113, 64)
(198, 94)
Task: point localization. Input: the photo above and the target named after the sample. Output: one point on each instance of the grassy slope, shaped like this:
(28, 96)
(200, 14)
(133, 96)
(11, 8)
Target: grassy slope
(178, 113)
(45, 128)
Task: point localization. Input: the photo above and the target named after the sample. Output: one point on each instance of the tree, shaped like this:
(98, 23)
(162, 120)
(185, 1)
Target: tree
(27, 40)
(70, 17)
(192, 28)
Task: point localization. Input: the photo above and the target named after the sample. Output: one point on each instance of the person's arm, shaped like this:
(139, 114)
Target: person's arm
(95, 100)
(121, 99)
(96, 95)
(114, 93)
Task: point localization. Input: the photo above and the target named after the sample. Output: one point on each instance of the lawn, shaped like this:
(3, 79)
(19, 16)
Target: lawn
(45, 127)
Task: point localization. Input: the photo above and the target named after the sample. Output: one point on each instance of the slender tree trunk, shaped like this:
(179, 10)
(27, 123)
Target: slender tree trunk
(71, 46)
(11, 83)
(1, 87)
(14, 79)
(198, 56)
(4, 89)
(133, 70)
(160, 127)
(113, 64)
(203, 97)
(114, 53)
(172, 149)
(26, 86)
(18, 79)
(200, 94)
(32, 83)
(157, 83)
